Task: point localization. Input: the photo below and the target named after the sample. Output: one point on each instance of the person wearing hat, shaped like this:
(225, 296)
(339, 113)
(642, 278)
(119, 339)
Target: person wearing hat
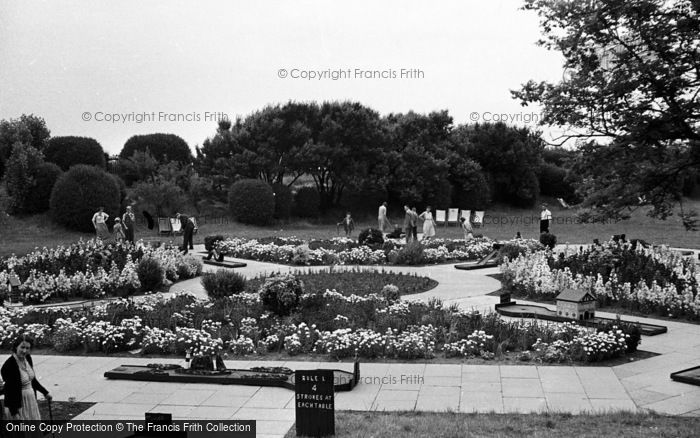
(545, 219)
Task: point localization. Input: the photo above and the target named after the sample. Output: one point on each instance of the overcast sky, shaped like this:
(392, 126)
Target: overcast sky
(67, 61)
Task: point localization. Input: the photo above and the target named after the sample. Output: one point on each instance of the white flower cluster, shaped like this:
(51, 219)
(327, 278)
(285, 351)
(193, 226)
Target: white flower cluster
(532, 274)
(474, 345)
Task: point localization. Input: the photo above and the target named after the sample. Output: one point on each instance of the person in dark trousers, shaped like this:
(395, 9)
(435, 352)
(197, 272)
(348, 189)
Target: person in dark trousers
(414, 224)
(545, 219)
(347, 223)
(129, 224)
(187, 233)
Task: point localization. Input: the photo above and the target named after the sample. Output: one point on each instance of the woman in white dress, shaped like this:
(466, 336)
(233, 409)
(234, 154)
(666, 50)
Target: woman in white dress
(99, 221)
(428, 223)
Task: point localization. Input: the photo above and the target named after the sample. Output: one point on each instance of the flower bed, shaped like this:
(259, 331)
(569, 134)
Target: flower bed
(344, 251)
(647, 280)
(319, 323)
(92, 269)
(359, 281)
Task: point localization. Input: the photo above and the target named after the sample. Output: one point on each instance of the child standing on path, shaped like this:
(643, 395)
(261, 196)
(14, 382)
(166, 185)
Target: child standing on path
(348, 224)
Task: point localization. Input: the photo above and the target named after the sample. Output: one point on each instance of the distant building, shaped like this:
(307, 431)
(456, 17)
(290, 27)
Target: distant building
(576, 304)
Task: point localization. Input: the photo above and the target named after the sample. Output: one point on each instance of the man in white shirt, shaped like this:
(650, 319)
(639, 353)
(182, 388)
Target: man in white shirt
(545, 219)
(382, 219)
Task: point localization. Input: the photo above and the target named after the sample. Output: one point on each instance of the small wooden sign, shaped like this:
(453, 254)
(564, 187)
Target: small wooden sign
(505, 298)
(314, 403)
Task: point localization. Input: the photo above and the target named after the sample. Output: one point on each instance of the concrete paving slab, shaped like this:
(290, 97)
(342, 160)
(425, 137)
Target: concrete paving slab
(524, 405)
(394, 405)
(187, 397)
(522, 388)
(574, 403)
(268, 397)
(519, 371)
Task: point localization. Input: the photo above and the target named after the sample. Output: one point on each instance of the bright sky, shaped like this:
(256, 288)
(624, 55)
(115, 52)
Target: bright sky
(151, 61)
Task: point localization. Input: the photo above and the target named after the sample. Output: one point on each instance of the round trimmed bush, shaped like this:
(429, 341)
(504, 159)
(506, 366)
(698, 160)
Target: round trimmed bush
(79, 193)
(307, 202)
(69, 151)
(223, 283)
(370, 236)
(280, 294)
(151, 274)
(40, 193)
(283, 201)
(252, 201)
(163, 147)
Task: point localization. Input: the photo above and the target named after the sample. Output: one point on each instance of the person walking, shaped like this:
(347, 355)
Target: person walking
(187, 233)
(467, 228)
(129, 224)
(99, 221)
(414, 223)
(428, 223)
(407, 227)
(21, 383)
(348, 224)
(545, 219)
(382, 220)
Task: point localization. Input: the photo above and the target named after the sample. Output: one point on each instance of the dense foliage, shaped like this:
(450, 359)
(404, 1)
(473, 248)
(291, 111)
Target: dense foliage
(613, 49)
(223, 283)
(39, 195)
(163, 147)
(252, 201)
(69, 151)
(22, 168)
(79, 193)
(27, 130)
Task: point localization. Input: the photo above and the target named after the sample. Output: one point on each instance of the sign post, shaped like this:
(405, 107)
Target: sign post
(314, 403)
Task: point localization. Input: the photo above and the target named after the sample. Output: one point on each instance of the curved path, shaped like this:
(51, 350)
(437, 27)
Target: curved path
(468, 289)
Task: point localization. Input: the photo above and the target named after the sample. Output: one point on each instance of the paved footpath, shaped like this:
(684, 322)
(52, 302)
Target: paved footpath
(633, 386)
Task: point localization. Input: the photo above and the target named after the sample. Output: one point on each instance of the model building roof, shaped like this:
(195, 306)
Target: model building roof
(575, 295)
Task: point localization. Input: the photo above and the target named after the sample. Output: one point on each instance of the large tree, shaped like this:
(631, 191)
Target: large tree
(346, 151)
(28, 130)
(265, 145)
(510, 155)
(630, 94)
(417, 158)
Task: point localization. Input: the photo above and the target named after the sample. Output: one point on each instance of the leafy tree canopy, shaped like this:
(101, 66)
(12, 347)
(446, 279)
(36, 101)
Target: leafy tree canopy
(630, 94)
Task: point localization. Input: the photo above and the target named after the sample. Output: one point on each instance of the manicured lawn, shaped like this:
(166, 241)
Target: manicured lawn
(357, 281)
(422, 424)
(21, 235)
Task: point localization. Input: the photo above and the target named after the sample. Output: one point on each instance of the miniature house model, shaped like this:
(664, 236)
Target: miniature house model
(576, 304)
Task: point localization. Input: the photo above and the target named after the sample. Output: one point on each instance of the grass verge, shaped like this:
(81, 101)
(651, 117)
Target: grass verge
(423, 424)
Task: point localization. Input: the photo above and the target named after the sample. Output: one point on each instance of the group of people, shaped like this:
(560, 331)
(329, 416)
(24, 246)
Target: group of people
(410, 223)
(123, 229)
